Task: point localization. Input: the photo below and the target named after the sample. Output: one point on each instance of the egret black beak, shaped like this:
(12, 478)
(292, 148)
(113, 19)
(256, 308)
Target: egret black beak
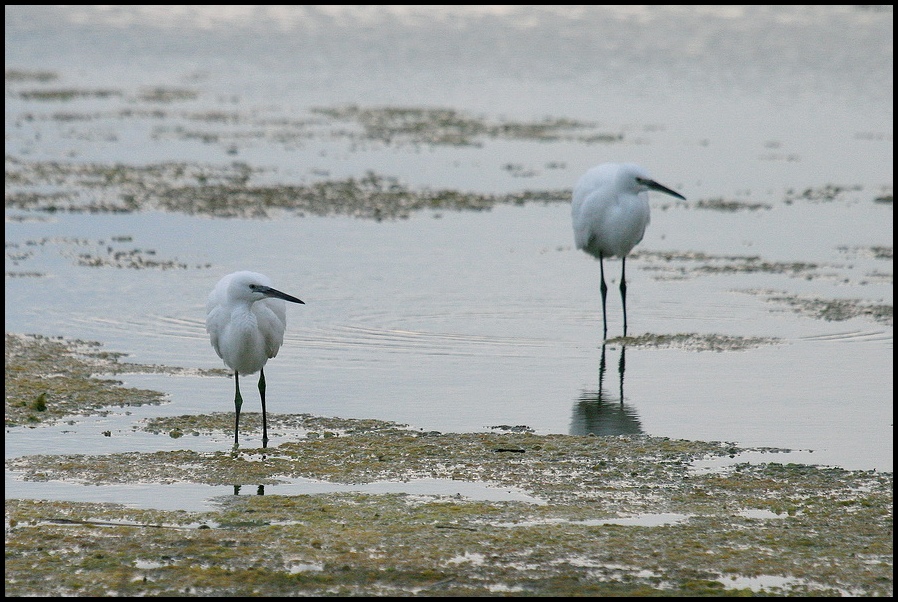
(273, 292)
(653, 185)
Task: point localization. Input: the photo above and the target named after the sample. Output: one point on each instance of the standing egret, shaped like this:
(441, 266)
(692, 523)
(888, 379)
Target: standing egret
(246, 319)
(610, 210)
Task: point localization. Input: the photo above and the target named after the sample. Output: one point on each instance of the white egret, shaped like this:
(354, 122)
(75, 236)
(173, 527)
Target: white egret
(610, 211)
(246, 319)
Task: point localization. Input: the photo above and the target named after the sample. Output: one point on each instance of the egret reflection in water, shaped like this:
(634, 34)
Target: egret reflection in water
(602, 413)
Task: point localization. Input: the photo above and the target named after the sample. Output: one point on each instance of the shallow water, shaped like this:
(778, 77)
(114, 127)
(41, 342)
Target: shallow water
(461, 321)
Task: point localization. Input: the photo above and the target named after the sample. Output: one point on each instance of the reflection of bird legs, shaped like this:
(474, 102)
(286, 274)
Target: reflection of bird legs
(259, 491)
(602, 364)
(621, 364)
(600, 411)
(621, 367)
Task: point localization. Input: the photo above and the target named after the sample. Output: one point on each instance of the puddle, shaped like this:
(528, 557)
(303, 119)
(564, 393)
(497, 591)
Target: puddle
(193, 497)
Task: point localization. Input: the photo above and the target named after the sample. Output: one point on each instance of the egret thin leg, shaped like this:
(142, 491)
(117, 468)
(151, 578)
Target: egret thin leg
(264, 415)
(623, 290)
(238, 402)
(604, 295)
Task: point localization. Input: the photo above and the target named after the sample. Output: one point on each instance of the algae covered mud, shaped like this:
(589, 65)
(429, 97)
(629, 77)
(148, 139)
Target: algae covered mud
(770, 529)
(628, 515)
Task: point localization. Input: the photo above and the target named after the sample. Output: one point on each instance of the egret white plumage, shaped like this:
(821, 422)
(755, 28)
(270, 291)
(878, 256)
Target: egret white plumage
(610, 211)
(246, 319)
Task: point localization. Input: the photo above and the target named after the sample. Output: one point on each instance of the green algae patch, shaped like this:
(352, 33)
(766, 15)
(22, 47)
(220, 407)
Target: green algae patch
(281, 426)
(231, 191)
(236, 190)
(692, 341)
(371, 197)
(20, 75)
(162, 94)
(444, 126)
(678, 265)
(66, 94)
(836, 310)
(721, 204)
(823, 194)
(115, 252)
(47, 379)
